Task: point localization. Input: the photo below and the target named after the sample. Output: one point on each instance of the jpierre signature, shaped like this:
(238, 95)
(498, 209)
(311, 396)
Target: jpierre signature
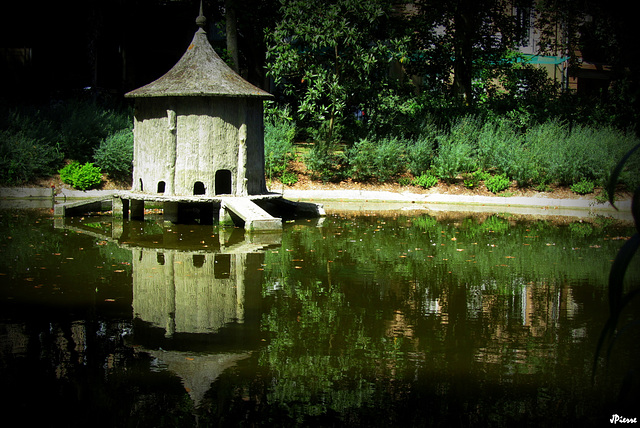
(617, 418)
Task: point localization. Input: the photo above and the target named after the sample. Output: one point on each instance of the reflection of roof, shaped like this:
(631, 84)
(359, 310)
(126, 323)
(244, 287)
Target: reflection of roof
(200, 71)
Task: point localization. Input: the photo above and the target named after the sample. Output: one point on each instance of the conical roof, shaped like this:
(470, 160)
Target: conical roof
(200, 72)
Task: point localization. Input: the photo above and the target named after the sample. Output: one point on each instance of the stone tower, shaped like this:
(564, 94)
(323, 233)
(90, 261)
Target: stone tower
(198, 129)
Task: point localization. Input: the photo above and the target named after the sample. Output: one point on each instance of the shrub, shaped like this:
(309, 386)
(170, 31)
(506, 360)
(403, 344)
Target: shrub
(545, 148)
(381, 161)
(81, 176)
(457, 150)
(82, 125)
(279, 132)
(497, 183)
(473, 180)
(420, 151)
(425, 180)
(325, 162)
(289, 178)
(24, 158)
(583, 187)
(115, 155)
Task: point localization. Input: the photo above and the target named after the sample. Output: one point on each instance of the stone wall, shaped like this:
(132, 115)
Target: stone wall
(213, 141)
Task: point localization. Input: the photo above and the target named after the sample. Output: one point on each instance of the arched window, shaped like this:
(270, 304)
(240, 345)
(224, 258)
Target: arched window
(141, 186)
(223, 182)
(198, 188)
(161, 186)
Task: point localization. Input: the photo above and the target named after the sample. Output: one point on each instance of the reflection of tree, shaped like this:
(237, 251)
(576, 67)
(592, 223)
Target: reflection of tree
(321, 355)
(394, 320)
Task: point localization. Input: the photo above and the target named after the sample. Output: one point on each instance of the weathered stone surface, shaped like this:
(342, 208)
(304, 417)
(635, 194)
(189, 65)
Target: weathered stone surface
(204, 145)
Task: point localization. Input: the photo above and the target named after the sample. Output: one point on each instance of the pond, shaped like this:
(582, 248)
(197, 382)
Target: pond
(360, 319)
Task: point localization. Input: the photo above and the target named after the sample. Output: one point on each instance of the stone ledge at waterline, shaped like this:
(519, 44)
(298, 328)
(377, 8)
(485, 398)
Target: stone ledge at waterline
(541, 204)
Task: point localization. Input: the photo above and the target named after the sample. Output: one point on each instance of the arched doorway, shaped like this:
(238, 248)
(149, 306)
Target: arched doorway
(223, 182)
(161, 187)
(198, 188)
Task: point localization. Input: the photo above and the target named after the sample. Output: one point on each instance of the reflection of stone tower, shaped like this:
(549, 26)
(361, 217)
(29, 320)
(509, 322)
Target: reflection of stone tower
(191, 292)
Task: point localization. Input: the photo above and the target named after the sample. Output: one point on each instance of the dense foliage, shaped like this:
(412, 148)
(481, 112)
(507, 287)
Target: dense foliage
(81, 177)
(35, 139)
(383, 91)
(114, 155)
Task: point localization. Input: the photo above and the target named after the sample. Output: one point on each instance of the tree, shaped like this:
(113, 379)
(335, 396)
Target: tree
(469, 38)
(330, 57)
(232, 33)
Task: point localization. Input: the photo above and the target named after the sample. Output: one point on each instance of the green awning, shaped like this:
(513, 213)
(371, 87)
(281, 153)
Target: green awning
(540, 59)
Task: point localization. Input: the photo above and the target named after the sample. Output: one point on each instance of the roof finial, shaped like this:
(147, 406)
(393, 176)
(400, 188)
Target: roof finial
(201, 20)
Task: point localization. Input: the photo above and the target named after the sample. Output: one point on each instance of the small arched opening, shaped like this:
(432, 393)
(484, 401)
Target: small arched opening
(223, 182)
(161, 186)
(141, 186)
(198, 188)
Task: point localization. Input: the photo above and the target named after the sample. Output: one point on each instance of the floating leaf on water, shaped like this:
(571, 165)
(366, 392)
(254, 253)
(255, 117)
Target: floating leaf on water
(109, 300)
(119, 270)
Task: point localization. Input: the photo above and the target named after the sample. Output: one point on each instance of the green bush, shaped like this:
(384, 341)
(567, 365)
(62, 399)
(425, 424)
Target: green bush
(326, 163)
(457, 150)
(474, 179)
(420, 151)
(425, 180)
(81, 177)
(279, 133)
(497, 183)
(382, 160)
(81, 125)
(289, 178)
(583, 187)
(74, 126)
(24, 158)
(115, 155)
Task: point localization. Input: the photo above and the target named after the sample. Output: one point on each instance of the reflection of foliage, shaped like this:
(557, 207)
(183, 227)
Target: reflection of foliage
(378, 323)
(581, 229)
(310, 330)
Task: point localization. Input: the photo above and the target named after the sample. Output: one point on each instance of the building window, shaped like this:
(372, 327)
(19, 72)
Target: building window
(198, 188)
(161, 187)
(141, 186)
(223, 182)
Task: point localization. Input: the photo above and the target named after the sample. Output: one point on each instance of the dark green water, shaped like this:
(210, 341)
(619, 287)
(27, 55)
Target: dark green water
(359, 320)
